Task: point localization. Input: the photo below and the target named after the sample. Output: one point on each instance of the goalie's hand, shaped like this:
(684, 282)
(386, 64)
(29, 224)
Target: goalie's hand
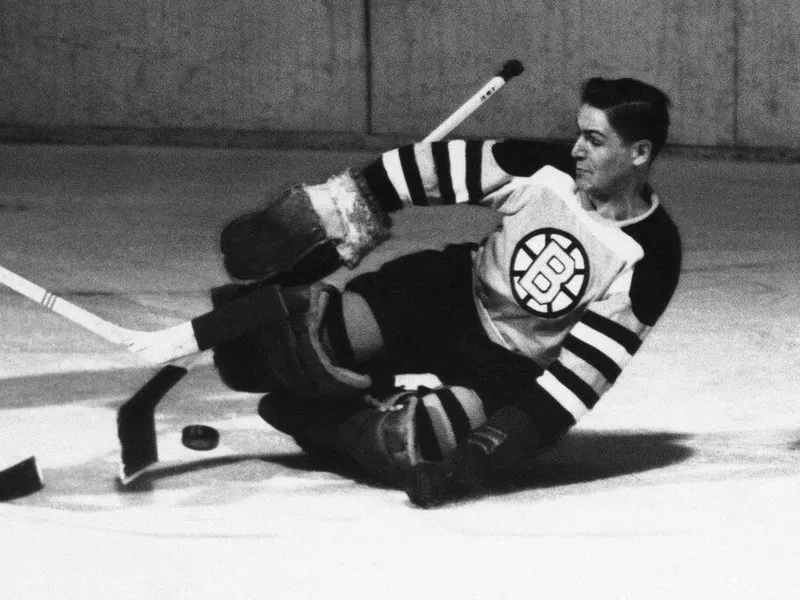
(462, 475)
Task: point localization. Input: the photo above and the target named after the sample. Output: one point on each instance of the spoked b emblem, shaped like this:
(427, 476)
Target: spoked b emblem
(549, 272)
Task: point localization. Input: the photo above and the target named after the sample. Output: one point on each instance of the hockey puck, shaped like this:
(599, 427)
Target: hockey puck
(20, 480)
(200, 437)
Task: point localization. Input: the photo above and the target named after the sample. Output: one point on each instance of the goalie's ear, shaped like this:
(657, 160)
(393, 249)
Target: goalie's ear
(641, 153)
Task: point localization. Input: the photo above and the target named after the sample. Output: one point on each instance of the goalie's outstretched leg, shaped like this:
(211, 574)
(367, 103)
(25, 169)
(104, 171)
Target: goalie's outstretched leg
(385, 434)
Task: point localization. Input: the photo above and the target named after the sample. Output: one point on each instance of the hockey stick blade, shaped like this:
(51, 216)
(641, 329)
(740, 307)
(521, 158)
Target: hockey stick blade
(136, 426)
(136, 417)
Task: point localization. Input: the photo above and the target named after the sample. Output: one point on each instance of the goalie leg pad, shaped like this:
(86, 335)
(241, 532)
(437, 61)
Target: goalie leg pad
(385, 437)
(290, 354)
(299, 359)
(409, 427)
(383, 440)
(312, 423)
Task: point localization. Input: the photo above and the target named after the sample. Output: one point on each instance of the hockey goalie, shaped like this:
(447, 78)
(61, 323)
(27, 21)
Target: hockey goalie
(525, 331)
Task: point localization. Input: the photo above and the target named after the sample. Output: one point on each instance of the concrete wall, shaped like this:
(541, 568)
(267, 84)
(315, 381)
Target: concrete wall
(685, 48)
(237, 64)
(768, 73)
(385, 67)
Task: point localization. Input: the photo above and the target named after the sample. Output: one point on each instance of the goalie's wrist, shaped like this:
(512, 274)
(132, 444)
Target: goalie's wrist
(350, 215)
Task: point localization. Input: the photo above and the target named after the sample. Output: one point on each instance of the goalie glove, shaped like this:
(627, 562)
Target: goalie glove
(315, 228)
(508, 436)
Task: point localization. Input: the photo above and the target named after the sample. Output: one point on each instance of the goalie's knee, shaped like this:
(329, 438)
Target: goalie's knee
(382, 440)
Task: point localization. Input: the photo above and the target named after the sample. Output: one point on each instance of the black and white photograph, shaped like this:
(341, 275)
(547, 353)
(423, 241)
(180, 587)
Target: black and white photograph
(399, 299)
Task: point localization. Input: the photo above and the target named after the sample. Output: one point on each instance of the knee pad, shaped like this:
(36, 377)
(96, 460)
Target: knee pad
(382, 439)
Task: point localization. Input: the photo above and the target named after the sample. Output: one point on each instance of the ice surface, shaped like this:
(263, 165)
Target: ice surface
(682, 483)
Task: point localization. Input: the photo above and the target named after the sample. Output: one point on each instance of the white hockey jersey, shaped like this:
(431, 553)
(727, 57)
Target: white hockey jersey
(558, 284)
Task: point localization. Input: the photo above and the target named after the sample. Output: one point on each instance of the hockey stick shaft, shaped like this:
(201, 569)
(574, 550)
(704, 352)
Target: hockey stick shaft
(105, 329)
(510, 69)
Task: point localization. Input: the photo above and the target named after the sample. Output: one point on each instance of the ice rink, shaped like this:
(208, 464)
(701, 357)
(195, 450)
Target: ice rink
(684, 482)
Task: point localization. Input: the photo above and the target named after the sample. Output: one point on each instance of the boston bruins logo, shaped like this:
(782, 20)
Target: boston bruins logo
(549, 272)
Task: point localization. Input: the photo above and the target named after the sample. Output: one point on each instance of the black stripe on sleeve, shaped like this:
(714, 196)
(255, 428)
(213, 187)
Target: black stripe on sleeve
(523, 158)
(441, 162)
(408, 161)
(575, 384)
(624, 337)
(381, 186)
(455, 413)
(474, 160)
(607, 367)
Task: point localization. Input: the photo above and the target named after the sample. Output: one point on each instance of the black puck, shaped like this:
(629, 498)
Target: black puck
(200, 437)
(20, 480)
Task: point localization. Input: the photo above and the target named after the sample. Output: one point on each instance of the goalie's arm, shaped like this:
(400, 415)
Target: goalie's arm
(458, 171)
(340, 221)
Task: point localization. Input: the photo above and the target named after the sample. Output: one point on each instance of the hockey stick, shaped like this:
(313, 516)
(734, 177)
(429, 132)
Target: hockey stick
(136, 418)
(166, 345)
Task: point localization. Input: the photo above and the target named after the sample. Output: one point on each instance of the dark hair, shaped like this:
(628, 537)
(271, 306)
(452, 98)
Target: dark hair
(636, 110)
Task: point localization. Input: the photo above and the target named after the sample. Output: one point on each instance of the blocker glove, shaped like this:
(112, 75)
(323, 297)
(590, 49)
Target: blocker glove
(314, 228)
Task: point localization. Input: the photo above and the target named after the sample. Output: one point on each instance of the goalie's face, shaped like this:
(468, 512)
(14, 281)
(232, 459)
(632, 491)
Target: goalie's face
(605, 164)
